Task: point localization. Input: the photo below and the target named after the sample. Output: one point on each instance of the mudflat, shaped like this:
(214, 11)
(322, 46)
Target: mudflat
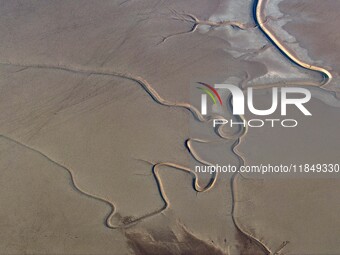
(101, 127)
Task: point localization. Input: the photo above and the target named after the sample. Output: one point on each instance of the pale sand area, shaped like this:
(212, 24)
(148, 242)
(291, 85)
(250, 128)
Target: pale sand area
(316, 30)
(88, 96)
(298, 214)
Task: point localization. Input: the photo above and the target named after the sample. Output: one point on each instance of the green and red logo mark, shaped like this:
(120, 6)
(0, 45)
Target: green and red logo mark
(211, 91)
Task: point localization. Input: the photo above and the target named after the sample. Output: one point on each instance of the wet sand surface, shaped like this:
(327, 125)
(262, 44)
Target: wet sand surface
(315, 30)
(100, 129)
